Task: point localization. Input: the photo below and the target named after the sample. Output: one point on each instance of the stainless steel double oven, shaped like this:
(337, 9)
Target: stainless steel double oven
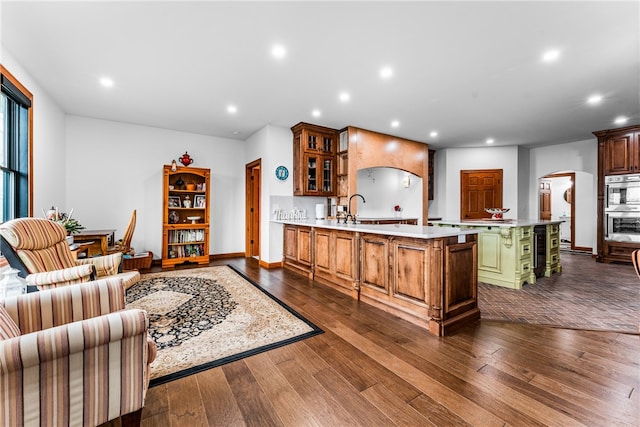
(622, 208)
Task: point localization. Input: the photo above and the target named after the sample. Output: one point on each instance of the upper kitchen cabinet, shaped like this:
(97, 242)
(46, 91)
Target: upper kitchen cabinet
(314, 160)
(619, 150)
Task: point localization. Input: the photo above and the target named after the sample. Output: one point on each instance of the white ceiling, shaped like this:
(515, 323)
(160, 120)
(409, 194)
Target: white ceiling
(470, 70)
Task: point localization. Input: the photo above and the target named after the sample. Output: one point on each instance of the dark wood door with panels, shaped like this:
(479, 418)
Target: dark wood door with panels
(480, 189)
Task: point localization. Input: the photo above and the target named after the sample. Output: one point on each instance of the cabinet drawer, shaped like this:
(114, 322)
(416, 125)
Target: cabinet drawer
(554, 229)
(525, 268)
(554, 242)
(525, 249)
(525, 232)
(554, 259)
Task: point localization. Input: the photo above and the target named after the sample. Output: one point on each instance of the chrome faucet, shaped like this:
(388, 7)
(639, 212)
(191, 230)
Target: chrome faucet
(353, 218)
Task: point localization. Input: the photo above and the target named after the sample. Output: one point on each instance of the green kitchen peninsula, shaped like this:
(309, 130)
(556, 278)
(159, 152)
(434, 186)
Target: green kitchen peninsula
(513, 252)
(425, 275)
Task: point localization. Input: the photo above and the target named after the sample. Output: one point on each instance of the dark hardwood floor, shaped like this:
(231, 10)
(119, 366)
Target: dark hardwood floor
(372, 369)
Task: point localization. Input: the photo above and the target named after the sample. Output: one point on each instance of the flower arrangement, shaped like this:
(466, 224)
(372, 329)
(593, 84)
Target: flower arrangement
(397, 208)
(70, 224)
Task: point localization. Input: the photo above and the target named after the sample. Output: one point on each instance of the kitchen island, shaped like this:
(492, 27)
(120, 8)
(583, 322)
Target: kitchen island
(426, 275)
(512, 252)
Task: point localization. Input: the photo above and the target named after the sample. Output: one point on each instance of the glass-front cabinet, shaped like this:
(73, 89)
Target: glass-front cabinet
(314, 160)
(185, 216)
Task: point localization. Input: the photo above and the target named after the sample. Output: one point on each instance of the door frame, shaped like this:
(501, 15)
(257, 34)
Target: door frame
(572, 178)
(251, 188)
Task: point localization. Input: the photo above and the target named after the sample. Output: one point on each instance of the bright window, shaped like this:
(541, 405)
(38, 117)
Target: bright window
(15, 127)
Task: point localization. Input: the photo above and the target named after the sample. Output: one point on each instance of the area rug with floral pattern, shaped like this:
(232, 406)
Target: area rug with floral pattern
(205, 317)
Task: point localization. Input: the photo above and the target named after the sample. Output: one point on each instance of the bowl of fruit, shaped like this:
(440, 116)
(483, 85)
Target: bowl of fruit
(496, 213)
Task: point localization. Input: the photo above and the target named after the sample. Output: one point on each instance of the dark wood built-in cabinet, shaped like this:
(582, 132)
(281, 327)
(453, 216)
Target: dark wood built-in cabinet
(314, 160)
(618, 154)
(185, 216)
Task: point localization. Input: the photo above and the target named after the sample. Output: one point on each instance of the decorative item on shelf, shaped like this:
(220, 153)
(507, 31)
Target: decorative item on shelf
(191, 186)
(186, 159)
(173, 217)
(193, 219)
(12, 284)
(174, 165)
(497, 213)
(70, 224)
(186, 202)
(199, 201)
(179, 183)
(398, 210)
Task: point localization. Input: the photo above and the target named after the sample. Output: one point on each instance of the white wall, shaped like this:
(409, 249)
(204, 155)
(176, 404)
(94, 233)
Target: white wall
(115, 167)
(383, 189)
(49, 156)
(582, 158)
(457, 159)
(274, 145)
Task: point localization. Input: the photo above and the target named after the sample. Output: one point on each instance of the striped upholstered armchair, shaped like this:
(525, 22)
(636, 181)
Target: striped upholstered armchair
(73, 356)
(38, 248)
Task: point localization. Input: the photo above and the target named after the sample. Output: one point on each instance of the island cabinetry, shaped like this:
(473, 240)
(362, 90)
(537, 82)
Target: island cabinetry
(506, 256)
(430, 281)
(185, 216)
(509, 253)
(335, 259)
(314, 160)
(552, 250)
(297, 248)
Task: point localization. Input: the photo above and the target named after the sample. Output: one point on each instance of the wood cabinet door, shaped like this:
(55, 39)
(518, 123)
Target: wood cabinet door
(304, 246)
(621, 154)
(480, 189)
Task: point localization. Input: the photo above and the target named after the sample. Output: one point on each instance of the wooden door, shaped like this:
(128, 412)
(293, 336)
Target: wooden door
(252, 221)
(480, 189)
(545, 199)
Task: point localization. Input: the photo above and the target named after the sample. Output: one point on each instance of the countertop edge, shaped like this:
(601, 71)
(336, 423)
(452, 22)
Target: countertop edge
(400, 230)
(505, 223)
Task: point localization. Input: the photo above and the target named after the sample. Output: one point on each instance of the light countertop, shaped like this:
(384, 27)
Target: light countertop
(402, 230)
(496, 223)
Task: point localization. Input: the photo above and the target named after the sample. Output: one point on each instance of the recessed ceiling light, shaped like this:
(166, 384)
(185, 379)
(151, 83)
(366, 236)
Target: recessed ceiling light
(344, 97)
(232, 109)
(316, 113)
(433, 134)
(621, 120)
(106, 82)
(278, 51)
(490, 141)
(594, 99)
(551, 55)
(395, 124)
(386, 72)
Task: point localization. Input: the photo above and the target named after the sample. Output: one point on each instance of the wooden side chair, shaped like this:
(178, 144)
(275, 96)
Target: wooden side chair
(124, 245)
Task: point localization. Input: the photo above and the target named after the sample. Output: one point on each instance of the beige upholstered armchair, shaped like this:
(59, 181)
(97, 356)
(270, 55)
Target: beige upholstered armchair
(38, 248)
(73, 356)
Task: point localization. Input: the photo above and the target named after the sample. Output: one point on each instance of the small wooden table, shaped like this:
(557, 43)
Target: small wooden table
(100, 240)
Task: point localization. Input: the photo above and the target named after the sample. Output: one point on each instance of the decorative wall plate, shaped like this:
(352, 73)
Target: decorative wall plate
(282, 173)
